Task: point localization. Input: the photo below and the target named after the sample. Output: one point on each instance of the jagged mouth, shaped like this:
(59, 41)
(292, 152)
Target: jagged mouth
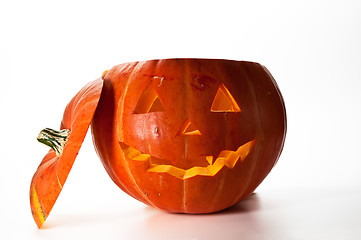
(226, 158)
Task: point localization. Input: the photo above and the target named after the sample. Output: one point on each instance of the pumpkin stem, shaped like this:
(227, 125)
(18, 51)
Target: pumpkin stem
(54, 139)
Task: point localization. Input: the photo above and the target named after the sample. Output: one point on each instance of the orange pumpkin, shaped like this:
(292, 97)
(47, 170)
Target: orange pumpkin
(189, 135)
(49, 179)
(181, 135)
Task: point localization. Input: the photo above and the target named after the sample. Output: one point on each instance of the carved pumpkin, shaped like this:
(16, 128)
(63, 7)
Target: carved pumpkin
(188, 135)
(181, 135)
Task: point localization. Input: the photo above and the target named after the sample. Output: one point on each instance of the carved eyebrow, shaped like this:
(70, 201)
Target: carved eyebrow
(224, 101)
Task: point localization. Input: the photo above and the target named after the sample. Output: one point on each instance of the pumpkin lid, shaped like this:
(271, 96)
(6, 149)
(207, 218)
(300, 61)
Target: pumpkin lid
(53, 171)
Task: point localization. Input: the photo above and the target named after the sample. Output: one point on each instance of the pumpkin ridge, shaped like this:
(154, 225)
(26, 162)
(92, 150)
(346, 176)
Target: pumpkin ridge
(260, 134)
(135, 184)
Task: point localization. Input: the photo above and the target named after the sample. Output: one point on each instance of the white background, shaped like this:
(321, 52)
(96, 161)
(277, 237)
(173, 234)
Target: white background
(49, 50)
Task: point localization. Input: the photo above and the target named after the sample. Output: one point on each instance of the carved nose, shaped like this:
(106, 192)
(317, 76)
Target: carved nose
(189, 129)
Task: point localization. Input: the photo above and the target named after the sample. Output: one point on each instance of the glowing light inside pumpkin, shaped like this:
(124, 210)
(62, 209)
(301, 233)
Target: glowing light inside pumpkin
(149, 102)
(226, 158)
(224, 101)
(189, 129)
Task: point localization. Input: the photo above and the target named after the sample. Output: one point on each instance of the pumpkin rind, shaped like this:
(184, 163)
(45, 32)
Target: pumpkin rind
(186, 89)
(52, 172)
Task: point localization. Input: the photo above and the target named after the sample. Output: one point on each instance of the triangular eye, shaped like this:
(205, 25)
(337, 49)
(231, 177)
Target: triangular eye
(149, 102)
(223, 101)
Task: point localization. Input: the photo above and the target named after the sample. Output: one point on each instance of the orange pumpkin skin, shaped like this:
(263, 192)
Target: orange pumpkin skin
(50, 176)
(175, 176)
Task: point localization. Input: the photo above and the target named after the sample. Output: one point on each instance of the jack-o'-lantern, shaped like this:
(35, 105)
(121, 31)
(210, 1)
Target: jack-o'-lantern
(189, 135)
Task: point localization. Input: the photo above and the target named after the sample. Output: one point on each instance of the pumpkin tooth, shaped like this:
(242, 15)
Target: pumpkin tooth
(141, 157)
(244, 150)
(209, 159)
(174, 171)
(216, 166)
(194, 171)
(133, 153)
(231, 159)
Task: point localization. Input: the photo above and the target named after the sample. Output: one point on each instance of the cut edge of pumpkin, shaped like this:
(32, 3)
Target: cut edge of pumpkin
(37, 211)
(226, 158)
(224, 101)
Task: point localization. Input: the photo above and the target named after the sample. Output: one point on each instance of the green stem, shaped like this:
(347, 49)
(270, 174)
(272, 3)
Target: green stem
(54, 139)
